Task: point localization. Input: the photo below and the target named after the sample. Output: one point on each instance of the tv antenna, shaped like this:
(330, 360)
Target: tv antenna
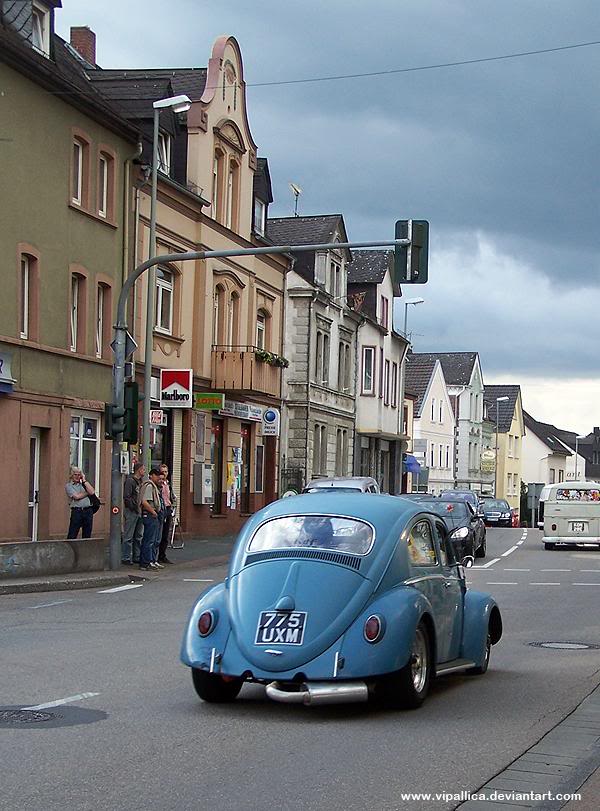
(296, 191)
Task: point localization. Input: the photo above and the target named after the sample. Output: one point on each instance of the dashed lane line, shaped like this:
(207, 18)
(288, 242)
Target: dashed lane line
(517, 570)
(121, 588)
(60, 701)
(197, 580)
(48, 605)
(491, 583)
(585, 584)
(555, 570)
(544, 584)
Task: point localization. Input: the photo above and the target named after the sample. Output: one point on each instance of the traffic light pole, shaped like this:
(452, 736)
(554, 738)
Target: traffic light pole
(119, 344)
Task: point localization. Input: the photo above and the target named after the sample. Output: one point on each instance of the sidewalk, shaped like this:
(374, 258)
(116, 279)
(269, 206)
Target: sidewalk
(590, 795)
(206, 551)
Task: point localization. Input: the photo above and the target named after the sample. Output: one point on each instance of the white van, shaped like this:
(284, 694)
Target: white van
(572, 514)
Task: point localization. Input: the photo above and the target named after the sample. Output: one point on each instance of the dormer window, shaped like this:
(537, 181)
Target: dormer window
(40, 29)
(260, 216)
(164, 153)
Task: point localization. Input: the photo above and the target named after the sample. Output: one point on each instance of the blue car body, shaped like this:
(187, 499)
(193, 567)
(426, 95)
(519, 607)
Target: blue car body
(336, 592)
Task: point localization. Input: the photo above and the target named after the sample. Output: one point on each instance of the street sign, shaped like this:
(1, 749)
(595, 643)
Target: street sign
(488, 461)
(130, 345)
(270, 422)
(158, 417)
(411, 261)
(209, 401)
(176, 388)
(534, 490)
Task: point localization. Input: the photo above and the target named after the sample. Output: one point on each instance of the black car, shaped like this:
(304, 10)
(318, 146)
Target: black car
(466, 527)
(497, 512)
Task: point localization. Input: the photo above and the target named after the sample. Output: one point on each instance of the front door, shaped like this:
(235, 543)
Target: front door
(245, 472)
(216, 460)
(34, 483)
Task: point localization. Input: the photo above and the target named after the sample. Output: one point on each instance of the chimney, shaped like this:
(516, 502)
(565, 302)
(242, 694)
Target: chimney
(83, 40)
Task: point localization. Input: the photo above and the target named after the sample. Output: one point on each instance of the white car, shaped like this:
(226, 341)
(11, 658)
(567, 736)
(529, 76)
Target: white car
(344, 484)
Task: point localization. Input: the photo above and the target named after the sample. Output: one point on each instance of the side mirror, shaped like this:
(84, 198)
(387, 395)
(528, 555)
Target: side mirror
(468, 561)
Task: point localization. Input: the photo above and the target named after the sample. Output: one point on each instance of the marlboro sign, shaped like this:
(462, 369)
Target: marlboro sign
(176, 388)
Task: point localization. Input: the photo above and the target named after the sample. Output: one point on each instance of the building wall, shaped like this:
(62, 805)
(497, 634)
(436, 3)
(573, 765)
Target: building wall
(469, 431)
(437, 432)
(510, 459)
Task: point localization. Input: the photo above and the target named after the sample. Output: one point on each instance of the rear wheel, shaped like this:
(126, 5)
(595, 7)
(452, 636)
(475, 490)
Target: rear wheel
(480, 552)
(214, 688)
(549, 546)
(406, 689)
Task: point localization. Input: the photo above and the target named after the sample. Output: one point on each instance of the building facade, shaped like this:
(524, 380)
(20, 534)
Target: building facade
(545, 456)
(380, 437)
(510, 432)
(319, 386)
(65, 217)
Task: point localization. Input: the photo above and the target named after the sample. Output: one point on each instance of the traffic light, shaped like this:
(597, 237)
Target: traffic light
(122, 423)
(411, 261)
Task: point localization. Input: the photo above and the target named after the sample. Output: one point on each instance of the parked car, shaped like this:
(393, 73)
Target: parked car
(467, 530)
(471, 496)
(364, 484)
(497, 512)
(336, 600)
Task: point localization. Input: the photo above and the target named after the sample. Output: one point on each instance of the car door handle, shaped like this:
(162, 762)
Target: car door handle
(447, 584)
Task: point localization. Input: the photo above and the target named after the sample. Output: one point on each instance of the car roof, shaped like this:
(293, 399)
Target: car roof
(341, 481)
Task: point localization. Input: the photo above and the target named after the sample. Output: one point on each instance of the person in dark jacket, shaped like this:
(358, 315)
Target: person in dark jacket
(133, 529)
(170, 501)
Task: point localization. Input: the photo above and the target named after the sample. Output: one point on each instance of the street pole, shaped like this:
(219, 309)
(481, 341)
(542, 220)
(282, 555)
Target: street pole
(576, 449)
(405, 320)
(119, 343)
(496, 468)
(150, 293)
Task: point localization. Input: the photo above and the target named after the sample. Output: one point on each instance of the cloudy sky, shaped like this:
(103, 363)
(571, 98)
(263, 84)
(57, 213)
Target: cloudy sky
(501, 157)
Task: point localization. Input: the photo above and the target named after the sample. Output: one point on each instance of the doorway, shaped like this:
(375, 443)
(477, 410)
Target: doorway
(34, 483)
(245, 472)
(216, 460)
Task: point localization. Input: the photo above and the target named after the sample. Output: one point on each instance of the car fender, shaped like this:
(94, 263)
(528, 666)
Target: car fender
(400, 610)
(197, 651)
(481, 613)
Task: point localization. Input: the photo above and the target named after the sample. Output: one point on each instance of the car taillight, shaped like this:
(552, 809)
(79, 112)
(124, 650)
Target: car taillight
(206, 623)
(373, 630)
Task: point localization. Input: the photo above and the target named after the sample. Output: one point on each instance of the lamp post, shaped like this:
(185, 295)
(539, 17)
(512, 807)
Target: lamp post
(577, 438)
(498, 400)
(406, 303)
(179, 104)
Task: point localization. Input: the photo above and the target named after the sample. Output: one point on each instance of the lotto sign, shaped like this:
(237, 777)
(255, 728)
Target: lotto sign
(176, 388)
(270, 422)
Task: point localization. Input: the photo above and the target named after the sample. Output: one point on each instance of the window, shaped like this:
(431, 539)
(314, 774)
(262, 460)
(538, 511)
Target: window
(164, 153)
(105, 186)
(322, 359)
(84, 451)
(341, 366)
(440, 456)
(384, 312)
(325, 379)
(75, 312)
(552, 475)
(99, 320)
(433, 409)
(232, 194)
(164, 301)
(441, 411)
(77, 173)
(261, 323)
(324, 531)
(320, 449)
(218, 315)
(324, 449)
(335, 279)
(24, 303)
(217, 189)
(561, 475)
(260, 216)
(421, 550)
(368, 370)
(259, 473)
(432, 454)
(386, 383)
(341, 452)
(448, 456)
(394, 385)
(516, 447)
(40, 29)
(233, 320)
(381, 372)
(510, 445)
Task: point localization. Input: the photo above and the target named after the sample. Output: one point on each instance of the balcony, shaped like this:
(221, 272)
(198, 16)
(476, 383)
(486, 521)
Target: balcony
(238, 369)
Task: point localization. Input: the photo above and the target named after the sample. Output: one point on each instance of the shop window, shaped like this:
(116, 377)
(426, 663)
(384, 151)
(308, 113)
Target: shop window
(259, 473)
(84, 447)
(164, 301)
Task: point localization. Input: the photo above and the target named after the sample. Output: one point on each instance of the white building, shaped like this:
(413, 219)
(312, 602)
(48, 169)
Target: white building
(319, 386)
(546, 458)
(379, 440)
(433, 423)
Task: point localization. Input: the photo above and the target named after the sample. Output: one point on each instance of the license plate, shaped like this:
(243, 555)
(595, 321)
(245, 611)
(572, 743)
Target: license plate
(577, 526)
(280, 628)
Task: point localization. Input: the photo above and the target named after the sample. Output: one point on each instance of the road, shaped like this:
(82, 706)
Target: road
(144, 741)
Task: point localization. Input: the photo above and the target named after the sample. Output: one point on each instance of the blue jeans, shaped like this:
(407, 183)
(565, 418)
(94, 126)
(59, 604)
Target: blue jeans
(151, 526)
(133, 532)
(161, 523)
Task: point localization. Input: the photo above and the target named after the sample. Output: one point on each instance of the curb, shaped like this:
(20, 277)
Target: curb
(66, 582)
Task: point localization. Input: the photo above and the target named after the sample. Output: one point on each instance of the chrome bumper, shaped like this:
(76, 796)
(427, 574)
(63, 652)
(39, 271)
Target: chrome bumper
(320, 692)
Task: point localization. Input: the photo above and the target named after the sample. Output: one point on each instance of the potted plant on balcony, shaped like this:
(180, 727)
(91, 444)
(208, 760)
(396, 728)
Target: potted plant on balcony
(271, 358)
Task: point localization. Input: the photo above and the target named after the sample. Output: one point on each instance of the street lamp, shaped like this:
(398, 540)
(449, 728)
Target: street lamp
(179, 104)
(406, 303)
(577, 438)
(498, 400)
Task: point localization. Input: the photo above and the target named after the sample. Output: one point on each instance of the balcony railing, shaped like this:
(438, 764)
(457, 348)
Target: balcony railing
(237, 368)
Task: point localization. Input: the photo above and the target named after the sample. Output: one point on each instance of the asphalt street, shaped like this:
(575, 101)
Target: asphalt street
(133, 734)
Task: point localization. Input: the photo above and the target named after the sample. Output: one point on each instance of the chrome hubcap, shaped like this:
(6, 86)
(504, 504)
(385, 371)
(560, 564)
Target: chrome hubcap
(419, 661)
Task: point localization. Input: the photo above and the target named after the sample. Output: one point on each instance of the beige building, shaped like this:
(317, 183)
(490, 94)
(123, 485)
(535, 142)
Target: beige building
(510, 432)
(222, 318)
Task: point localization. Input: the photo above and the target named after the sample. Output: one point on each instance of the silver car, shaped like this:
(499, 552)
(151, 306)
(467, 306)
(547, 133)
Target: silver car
(343, 484)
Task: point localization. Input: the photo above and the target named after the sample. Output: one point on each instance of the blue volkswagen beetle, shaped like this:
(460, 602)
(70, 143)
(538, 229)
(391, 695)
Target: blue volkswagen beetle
(335, 598)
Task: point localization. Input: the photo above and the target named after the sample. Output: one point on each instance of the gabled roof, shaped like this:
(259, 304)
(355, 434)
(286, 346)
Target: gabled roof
(303, 230)
(419, 369)
(506, 410)
(546, 433)
(369, 266)
(188, 81)
(457, 366)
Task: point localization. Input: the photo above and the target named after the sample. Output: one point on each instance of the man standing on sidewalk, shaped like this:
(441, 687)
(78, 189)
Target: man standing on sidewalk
(133, 529)
(170, 500)
(150, 508)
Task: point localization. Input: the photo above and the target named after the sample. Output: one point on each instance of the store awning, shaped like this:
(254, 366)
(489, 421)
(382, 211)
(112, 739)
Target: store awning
(411, 465)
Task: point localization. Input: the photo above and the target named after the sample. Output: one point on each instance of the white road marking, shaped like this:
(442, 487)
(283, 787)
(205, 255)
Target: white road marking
(60, 701)
(47, 605)
(555, 570)
(589, 570)
(509, 551)
(122, 588)
(586, 584)
(519, 543)
(517, 570)
(501, 584)
(544, 584)
(197, 580)
(487, 565)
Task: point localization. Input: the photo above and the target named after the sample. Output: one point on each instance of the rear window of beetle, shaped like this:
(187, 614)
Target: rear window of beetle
(314, 532)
